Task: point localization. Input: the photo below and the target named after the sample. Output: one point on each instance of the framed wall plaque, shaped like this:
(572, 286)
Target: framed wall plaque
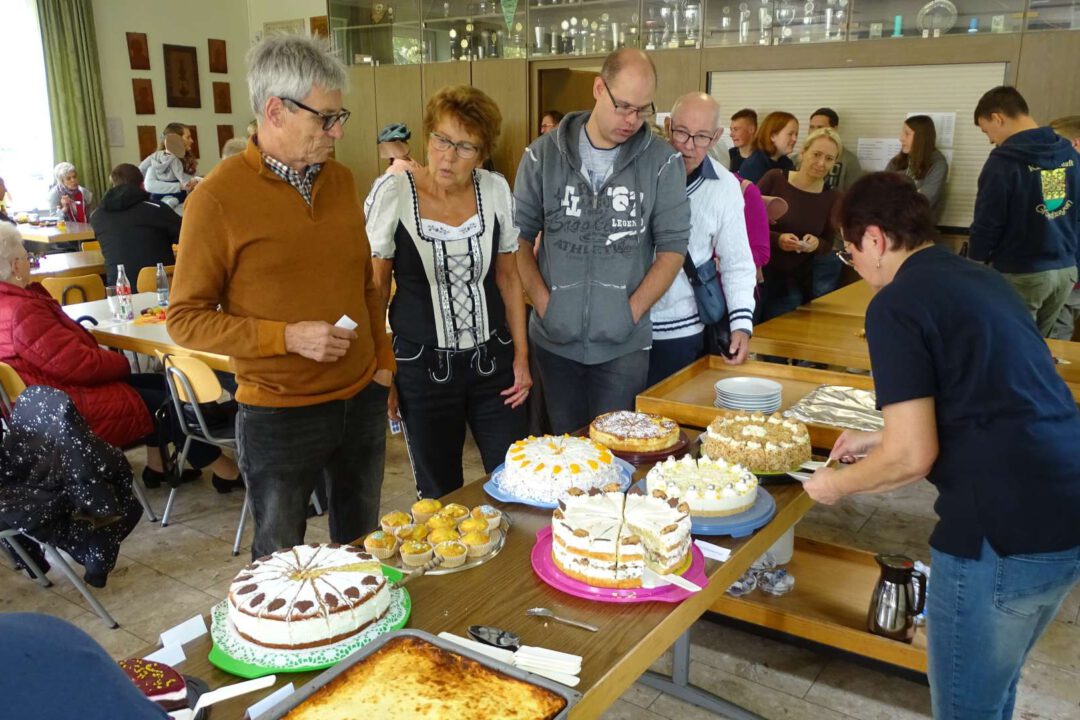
(219, 59)
(147, 140)
(320, 26)
(181, 76)
(138, 51)
(224, 135)
(222, 98)
(142, 90)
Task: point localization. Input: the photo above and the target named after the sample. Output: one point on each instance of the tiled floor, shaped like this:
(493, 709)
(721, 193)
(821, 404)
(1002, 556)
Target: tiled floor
(166, 575)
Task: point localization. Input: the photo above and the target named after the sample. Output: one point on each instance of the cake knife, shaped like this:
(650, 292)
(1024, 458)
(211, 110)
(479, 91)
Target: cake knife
(677, 580)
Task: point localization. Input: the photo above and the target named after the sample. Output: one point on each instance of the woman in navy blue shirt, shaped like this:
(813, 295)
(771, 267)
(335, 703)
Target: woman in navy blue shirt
(972, 402)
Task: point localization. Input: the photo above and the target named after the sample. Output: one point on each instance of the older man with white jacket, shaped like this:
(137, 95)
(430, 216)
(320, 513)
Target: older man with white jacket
(717, 233)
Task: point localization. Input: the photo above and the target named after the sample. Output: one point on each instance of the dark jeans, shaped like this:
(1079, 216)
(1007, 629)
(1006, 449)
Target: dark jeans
(785, 291)
(576, 393)
(668, 357)
(285, 452)
(152, 390)
(826, 274)
(439, 393)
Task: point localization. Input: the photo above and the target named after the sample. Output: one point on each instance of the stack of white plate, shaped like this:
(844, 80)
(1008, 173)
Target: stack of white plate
(748, 393)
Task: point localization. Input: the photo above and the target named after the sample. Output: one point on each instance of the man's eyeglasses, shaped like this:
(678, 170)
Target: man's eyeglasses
(700, 140)
(626, 109)
(328, 119)
(465, 150)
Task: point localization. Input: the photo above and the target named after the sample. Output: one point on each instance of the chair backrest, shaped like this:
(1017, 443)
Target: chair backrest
(147, 280)
(191, 382)
(82, 288)
(11, 386)
(90, 245)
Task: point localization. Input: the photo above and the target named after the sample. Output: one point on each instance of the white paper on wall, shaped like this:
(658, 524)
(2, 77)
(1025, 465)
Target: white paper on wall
(875, 153)
(944, 124)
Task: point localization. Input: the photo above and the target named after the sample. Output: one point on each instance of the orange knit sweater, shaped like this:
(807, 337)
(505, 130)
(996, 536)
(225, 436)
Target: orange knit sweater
(250, 243)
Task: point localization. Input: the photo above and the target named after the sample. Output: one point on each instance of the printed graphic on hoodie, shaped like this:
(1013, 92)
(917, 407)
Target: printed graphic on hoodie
(1053, 190)
(615, 217)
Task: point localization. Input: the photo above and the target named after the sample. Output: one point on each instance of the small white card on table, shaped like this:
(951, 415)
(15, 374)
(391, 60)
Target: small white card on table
(184, 632)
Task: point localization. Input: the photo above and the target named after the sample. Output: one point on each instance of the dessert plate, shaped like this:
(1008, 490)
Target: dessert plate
(492, 487)
(549, 572)
(237, 656)
(739, 525)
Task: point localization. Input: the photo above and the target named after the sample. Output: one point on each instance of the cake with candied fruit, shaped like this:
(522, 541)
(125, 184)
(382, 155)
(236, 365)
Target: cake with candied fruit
(635, 432)
(763, 444)
(543, 468)
(307, 596)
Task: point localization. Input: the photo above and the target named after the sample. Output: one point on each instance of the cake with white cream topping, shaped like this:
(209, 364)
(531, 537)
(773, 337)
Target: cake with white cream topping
(712, 488)
(542, 469)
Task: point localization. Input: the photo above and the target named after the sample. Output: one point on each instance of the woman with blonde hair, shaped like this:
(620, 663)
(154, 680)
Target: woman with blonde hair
(806, 229)
(446, 234)
(921, 161)
(774, 141)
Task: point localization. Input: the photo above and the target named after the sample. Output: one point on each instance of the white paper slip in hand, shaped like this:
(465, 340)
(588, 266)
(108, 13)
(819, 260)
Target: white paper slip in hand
(346, 323)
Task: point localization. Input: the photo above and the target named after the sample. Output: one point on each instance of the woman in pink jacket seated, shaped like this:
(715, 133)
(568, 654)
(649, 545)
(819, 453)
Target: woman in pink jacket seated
(46, 347)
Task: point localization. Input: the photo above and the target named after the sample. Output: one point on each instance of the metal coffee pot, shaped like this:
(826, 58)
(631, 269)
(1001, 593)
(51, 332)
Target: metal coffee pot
(899, 596)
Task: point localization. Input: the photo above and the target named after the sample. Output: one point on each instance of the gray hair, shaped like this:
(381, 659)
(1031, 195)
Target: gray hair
(62, 170)
(290, 66)
(11, 247)
(717, 119)
(233, 146)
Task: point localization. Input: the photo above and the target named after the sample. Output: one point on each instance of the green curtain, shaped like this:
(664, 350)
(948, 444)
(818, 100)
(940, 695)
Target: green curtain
(73, 77)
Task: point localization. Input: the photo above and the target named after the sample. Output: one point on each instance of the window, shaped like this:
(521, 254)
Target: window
(26, 149)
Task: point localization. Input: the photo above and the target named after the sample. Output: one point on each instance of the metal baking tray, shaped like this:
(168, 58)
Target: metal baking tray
(308, 689)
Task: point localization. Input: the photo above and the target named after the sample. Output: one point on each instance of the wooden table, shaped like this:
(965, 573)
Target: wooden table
(75, 231)
(138, 338)
(69, 264)
(849, 300)
(835, 338)
(631, 636)
(687, 396)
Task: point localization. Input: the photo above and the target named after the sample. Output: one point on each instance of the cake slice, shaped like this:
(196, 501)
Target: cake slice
(158, 682)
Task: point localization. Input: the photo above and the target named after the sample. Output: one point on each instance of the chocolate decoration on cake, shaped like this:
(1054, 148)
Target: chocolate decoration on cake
(275, 605)
(257, 600)
(251, 587)
(331, 600)
(303, 605)
(352, 592)
(369, 580)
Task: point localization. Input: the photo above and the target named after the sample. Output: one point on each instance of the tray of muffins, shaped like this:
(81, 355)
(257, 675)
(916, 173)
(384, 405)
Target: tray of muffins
(440, 538)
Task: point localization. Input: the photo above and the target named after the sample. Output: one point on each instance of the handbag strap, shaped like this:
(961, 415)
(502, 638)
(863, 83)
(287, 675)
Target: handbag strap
(690, 270)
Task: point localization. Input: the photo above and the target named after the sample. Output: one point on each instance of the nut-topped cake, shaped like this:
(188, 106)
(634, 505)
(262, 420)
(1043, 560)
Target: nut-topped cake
(764, 444)
(636, 432)
(307, 596)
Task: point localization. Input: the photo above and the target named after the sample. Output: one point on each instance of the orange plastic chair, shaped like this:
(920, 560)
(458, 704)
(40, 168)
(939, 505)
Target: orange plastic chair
(78, 289)
(147, 280)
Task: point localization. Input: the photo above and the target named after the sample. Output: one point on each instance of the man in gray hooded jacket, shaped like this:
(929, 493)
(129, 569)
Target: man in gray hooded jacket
(610, 198)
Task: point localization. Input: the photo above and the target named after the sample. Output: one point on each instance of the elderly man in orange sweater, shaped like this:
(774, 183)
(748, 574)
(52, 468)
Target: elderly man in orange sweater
(275, 236)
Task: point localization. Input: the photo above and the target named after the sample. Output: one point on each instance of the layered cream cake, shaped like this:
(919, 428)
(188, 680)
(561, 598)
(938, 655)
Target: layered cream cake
(307, 596)
(543, 468)
(606, 539)
(712, 488)
(627, 431)
(771, 444)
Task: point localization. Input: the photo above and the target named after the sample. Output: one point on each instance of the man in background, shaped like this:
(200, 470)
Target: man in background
(133, 230)
(1065, 325)
(1027, 211)
(743, 129)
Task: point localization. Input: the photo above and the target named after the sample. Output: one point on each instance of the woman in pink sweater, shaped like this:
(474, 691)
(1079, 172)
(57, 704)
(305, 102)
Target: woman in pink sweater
(757, 224)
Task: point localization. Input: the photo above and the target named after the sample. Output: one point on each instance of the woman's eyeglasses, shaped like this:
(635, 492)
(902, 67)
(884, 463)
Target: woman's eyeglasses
(328, 119)
(465, 150)
(846, 258)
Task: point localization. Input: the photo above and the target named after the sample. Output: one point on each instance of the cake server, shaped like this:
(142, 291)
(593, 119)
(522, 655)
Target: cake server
(678, 581)
(221, 694)
(544, 612)
(434, 562)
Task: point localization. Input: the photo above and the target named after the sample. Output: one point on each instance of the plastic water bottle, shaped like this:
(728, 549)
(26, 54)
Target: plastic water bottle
(123, 294)
(162, 281)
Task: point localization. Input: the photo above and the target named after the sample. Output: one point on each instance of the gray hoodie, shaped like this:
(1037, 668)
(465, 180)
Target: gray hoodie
(597, 247)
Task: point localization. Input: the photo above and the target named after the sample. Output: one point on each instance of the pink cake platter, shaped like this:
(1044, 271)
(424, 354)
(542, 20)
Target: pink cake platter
(545, 568)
